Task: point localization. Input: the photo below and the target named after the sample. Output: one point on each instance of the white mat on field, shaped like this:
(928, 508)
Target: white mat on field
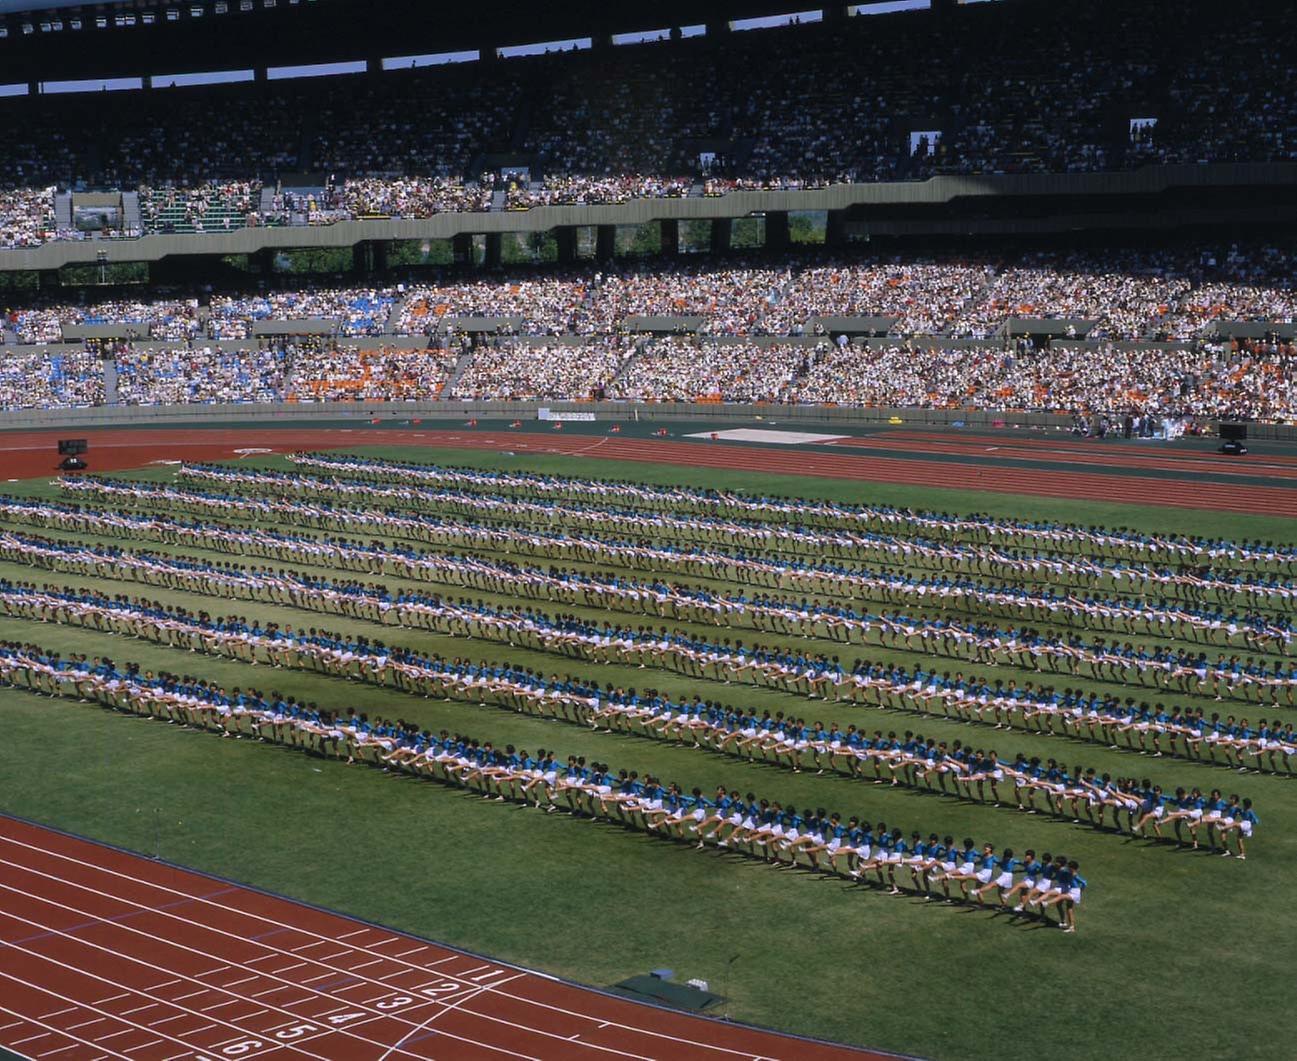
(757, 434)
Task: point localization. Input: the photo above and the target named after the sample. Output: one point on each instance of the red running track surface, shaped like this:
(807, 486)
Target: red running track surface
(30, 453)
(1189, 462)
(104, 954)
(1057, 442)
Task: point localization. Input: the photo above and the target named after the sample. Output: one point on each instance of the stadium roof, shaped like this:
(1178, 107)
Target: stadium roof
(50, 38)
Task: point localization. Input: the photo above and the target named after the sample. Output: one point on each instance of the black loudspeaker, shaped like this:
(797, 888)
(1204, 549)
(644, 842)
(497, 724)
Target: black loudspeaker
(70, 449)
(1232, 437)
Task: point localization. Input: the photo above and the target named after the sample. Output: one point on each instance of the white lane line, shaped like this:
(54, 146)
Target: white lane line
(263, 919)
(114, 1035)
(65, 1033)
(151, 1028)
(283, 1006)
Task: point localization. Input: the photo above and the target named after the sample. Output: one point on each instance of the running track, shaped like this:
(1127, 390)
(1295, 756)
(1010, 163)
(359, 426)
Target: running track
(107, 955)
(31, 454)
(1043, 450)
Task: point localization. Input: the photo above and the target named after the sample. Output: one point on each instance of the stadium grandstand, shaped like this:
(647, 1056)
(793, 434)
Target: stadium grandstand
(665, 200)
(685, 530)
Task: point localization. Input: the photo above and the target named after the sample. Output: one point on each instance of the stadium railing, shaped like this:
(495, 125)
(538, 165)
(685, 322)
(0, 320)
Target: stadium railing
(717, 416)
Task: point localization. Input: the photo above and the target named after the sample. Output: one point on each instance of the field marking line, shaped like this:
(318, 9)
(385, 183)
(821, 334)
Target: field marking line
(205, 901)
(374, 1011)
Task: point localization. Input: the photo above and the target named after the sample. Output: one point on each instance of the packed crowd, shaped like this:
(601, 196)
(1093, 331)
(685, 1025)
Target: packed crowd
(1208, 382)
(1113, 294)
(685, 370)
(731, 299)
(1226, 122)
(594, 191)
(947, 318)
(165, 318)
(301, 369)
(26, 216)
(202, 374)
(538, 303)
(1158, 393)
(923, 297)
(748, 111)
(378, 197)
(323, 372)
(358, 311)
(410, 196)
(508, 369)
(57, 381)
(1122, 295)
(604, 116)
(184, 137)
(1109, 294)
(425, 123)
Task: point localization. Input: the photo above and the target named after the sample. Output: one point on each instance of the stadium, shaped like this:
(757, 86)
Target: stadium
(695, 530)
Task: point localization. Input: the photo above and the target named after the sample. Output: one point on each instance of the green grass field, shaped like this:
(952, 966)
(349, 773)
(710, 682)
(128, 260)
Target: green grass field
(1179, 954)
